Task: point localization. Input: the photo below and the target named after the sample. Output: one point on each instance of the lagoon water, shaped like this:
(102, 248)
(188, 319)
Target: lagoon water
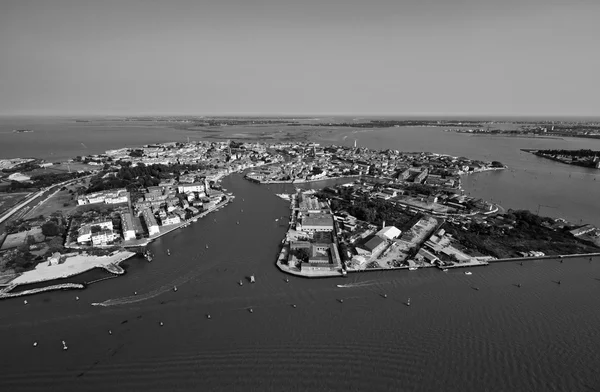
(541, 336)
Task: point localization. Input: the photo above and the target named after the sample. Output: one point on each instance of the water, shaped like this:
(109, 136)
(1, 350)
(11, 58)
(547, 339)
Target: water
(540, 337)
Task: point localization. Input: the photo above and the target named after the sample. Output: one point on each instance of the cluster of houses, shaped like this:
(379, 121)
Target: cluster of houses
(164, 205)
(113, 196)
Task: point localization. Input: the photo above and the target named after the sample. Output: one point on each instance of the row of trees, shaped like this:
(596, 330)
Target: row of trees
(140, 176)
(571, 153)
(43, 180)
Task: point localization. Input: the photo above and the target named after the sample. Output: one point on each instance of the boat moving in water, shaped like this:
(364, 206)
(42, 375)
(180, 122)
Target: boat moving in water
(468, 273)
(252, 279)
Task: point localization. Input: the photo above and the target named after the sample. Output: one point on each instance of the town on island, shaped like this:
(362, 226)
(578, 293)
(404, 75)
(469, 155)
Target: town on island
(387, 210)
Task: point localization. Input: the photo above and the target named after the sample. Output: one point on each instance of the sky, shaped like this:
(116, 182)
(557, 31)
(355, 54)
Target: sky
(402, 57)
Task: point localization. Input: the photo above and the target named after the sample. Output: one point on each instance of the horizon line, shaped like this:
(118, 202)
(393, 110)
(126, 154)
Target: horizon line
(307, 114)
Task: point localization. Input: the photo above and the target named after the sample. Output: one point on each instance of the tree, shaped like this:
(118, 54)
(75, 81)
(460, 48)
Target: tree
(301, 254)
(50, 229)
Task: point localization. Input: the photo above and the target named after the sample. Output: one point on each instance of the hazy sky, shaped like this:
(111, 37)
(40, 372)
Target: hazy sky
(511, 57)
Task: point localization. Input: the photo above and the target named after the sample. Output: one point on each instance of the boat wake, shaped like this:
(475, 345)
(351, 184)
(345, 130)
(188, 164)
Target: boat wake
(156, 292)
(358, 284)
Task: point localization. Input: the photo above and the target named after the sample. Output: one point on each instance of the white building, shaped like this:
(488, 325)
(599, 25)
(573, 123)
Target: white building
(127, 227)
(186, 188)
(389, 232)
(150, 222)
(171, 220)
(102, 237)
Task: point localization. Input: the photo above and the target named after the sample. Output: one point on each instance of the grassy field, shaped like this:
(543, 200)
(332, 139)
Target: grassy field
(63, 168)
(9, 200)
(54, 204)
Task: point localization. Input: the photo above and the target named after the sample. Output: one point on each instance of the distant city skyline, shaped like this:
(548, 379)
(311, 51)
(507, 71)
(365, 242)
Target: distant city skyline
(434, 58)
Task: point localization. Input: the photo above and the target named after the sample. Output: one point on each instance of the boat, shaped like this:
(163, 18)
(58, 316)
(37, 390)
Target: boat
(344, 273)
(238, 222)
(168, 252)
(468, 273)
(174, 288)
(241, 283)
(206, 246)
(445, 270)
(413, 268)
(252, 279)
(64, 345)
(408, 302)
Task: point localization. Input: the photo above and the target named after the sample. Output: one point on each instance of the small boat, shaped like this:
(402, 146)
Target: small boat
(175, 288)
(468, 273)
(161, 324)
(35, 344)
(250, 310)
(25, 302)
(109, 332)
(238, 222)
(344, 273)
(168, 252)
(445, 270)
(287, 280)
(252, 279)
(408, 302)
(64, 345)
(76, 298)
(294, 305)
(241, 283)
(206, 246)
(208, 316)
(384, 295)
(413, 268)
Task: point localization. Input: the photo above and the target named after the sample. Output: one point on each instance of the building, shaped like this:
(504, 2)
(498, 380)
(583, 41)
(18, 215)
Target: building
(171, 220)
(313, 222)
(84, 234)
(389, 233)
(186, 188)
(54, 259)
(102, 237)
(114, 196)
(150, 221)
(582, 230)
(128, 227)
(372, 246)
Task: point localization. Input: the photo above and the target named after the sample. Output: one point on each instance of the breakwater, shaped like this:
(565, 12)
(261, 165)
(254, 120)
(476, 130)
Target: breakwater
(62, 286)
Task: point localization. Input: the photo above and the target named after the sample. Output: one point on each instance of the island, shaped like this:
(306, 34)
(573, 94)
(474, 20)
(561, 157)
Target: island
(386, 210)
(585, 158)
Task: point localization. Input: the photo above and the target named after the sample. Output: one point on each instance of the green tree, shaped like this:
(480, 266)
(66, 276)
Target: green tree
(50, 229)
